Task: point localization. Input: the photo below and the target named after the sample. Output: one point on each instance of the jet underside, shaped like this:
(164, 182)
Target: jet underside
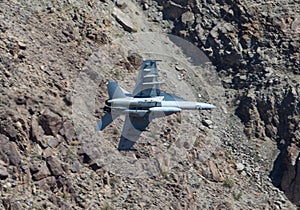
(146, 103)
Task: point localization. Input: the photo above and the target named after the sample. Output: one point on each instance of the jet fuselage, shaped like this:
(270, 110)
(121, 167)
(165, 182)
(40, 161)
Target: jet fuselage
(142, 106)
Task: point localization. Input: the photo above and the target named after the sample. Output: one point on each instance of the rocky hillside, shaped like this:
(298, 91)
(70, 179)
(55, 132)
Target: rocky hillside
(56, 58)
(255, 47)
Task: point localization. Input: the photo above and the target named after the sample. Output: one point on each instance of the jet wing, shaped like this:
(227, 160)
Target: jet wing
(133, 127)
(147, 84)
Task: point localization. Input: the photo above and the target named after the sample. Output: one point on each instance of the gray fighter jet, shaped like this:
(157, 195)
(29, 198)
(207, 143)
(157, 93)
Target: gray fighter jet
(145, 103)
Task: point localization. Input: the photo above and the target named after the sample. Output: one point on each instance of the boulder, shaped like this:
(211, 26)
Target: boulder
(50, 122)
(36, 130)
(52, 141)
(40, 171)
(54, 166)
(239, 167)
(10, 203)
(47, 183)
(188, 18)
(68, 130)
(135, 59)
(121, 4)
(215, 174)
(124, 20)
(207, 123)
(3, 172)
(9, 151)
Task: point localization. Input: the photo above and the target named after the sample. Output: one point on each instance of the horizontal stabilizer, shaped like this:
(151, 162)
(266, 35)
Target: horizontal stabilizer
(104, 121)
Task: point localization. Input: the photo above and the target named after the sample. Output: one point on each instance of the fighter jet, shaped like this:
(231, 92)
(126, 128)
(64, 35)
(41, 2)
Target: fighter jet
(146, 103)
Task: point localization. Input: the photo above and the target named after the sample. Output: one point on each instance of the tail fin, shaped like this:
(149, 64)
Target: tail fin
(114, 90)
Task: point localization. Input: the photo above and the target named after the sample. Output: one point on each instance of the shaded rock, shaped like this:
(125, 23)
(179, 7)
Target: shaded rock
(65, 183)
(296, 25)
(9, 152)
(207, 123)
(26, 175)
(216, 175)
(174, 10)
(95, 165)
(58, 201)
(68, 130)
(37, 132)
(296, 183)
(22, 45)
(145, 6)
(40, 171)
(290, 182)
(75, 167)
(239, 166)
(54, 166)
(121, 4)
(124, 20)
(223, 206)
(3, 142)
(50, 122)
(20, 100)
(9, 130)
(48, 183)
(135, 59)
(88, 154)
(10, 203)
(53, 142)
(3, 172)
(179, 68)
(188, 18)
(68, 99)
(98, 36)
(47, 152)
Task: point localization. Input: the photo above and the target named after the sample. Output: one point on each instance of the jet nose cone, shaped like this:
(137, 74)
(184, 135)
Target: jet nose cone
(205, 106)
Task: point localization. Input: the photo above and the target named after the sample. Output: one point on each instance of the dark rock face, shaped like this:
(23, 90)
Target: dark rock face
(290, 178)
(50, 122)
(3, 172)
(67, 130)
(39, 171)
(54, 166)
(48, 183)
(37, 132)
(10, 203)
(135, 59)
(9, 152)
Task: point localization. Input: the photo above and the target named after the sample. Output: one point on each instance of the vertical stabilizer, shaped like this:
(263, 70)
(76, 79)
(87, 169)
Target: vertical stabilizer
(114, 90)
